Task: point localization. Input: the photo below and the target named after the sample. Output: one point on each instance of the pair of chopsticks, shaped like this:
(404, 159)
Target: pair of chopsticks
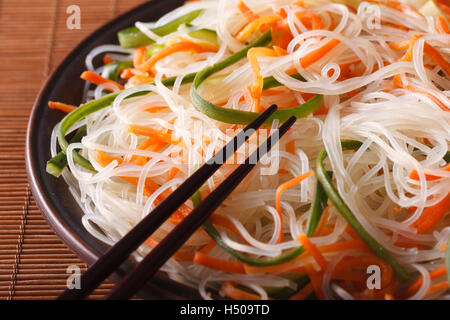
(142, 272)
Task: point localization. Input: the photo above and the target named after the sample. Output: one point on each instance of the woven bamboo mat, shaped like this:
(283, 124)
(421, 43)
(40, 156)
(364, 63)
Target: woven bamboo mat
(34, 37)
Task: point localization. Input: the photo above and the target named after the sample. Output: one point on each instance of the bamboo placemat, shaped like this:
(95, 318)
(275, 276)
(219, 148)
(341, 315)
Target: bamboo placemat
(34, 37)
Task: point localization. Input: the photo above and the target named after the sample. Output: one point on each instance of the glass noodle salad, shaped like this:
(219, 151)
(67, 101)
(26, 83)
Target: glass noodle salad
(353, 203)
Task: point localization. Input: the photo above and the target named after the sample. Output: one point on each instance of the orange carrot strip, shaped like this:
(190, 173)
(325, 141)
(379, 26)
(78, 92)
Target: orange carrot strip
(290, 147)
(175, 47)
(429, 95)
(434, 274)
(172, 173)
(246, 11)
(139, 56)
(152, 133)
(437, 287)
(437, 58)
(303, 293)
(432, 215)
(309, 19)
(316, 281)
(61, 106)
(441, 25)
(218, 264)
(107, 59)
(429, 177)
(149, 145)
(406, 57)
(280, 51)
(256, 89)
(399, 45)
(312, 249)
(98, 80)
(149, 188)
(316, 55)
(281, 189)
(255, 25)
(237, 294)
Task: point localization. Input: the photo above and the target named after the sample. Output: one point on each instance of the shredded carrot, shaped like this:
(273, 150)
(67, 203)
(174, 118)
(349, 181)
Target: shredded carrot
(280, 51)
(61, 106)
(218, 264)
(315, 55)
(290, 147)
(399, 6)
(99, 80)
(152, 133)
(179, 46)
(107, 59)
(441, 25)
(432, 215)
(409, 53)
(429, 177)
(316, 281)
(237, 294)
(256, 25)
(429, 95)
(434, 274)
(303, 293)
(139, 79)
(150, 145)
(207, 248)
(255, 90)
(354, 263)
(149, 187)
(437, 58)
(246, 11)
(282, 188)
(139, 56)
(437, 287)
(408, 56)
(179, 255)
(309, 19)
(399, 45)
(322, 226)
(172, 173)
(312, 249)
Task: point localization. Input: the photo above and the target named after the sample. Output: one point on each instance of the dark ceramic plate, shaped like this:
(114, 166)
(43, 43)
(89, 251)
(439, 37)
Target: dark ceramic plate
(51, 194)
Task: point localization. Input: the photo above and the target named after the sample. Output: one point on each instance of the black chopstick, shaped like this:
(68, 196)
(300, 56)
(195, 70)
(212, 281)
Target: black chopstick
(118, 253)
(142, 272)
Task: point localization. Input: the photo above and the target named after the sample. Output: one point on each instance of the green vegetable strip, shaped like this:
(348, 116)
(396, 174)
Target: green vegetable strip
(317, 209)
(133, 37)
(345, 211)
(86, 109)
(112, 70)
(318, 206)
(279, 293)
(244, 117)
(90, 107)
(56, 165)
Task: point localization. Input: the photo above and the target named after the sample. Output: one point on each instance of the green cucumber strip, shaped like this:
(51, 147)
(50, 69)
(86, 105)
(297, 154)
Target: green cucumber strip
(244, 117)
(112, 70)
(56, 165)
(345, 211)
(90, 107)
(133, 37)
